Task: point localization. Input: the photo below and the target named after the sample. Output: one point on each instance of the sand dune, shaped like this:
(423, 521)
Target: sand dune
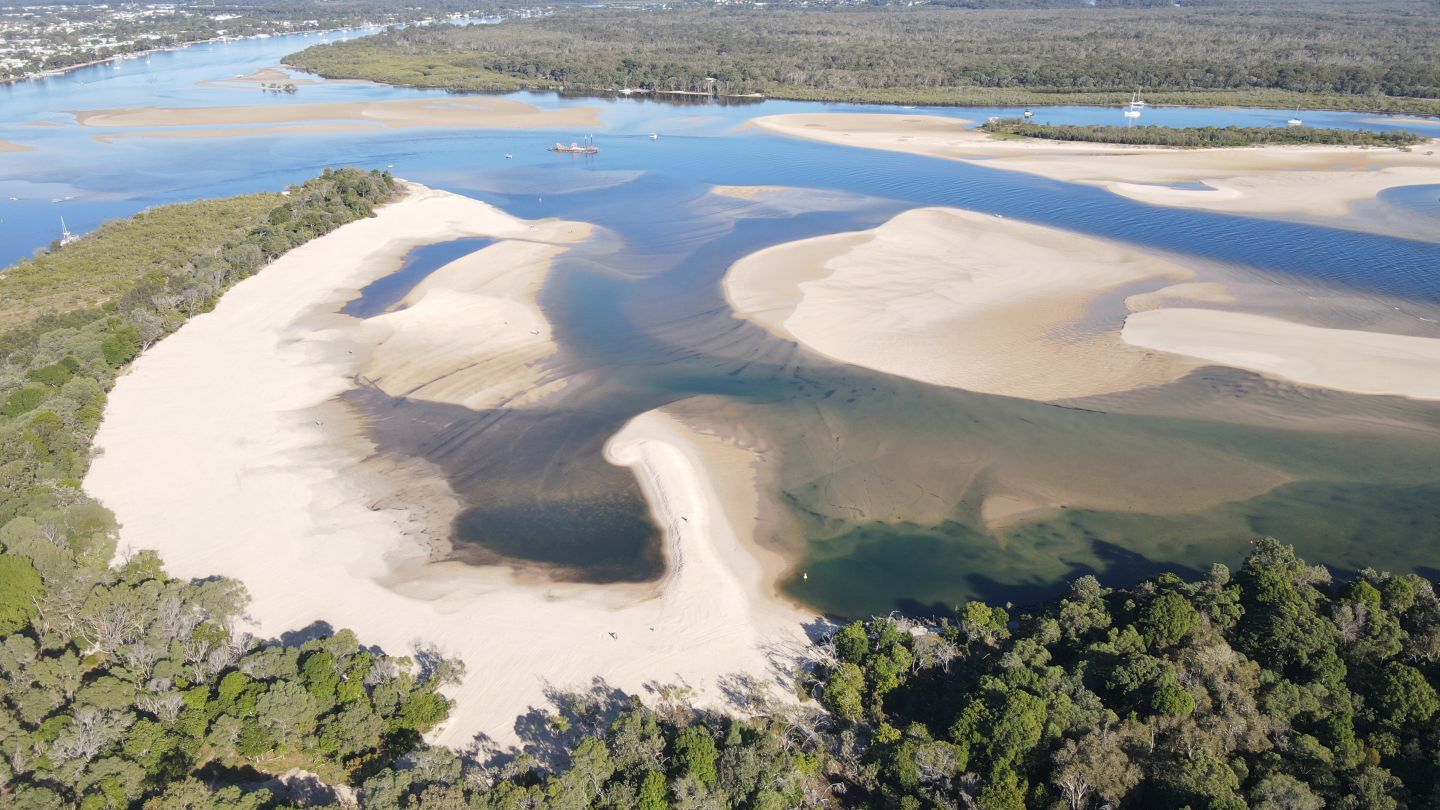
(222, 449)
(1343, 359)
(1311, 180)
(486, 113)
(960, 299)
(8, 146)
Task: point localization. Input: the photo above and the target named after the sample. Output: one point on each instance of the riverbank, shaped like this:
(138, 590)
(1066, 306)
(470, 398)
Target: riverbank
(961, 299)
(223, 448)
(1320, 181)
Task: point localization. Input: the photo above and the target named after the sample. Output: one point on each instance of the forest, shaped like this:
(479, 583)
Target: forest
(1280, 686)
(1380, 56)
(1201, 137)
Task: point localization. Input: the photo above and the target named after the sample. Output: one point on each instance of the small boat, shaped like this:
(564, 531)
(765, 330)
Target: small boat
(1029, 114)
(587, 148)
(654, 136)
(508, 156)
(1295, 122)
(1132, 113)
(1135, 101)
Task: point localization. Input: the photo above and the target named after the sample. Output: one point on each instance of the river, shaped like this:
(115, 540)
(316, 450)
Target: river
(641, 323)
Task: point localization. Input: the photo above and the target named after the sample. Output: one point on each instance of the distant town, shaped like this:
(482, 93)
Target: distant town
(40, 39)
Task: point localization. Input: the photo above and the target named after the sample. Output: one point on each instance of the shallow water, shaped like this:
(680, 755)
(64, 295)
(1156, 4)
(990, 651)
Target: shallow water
(878, 482)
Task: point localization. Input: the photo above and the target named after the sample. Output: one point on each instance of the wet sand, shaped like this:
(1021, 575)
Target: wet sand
(960, 299)
(1319, 181)
(224, 449)
(486, 113)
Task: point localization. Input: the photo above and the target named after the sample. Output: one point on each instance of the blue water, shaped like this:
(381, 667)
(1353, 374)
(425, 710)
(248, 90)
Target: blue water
(641, 323)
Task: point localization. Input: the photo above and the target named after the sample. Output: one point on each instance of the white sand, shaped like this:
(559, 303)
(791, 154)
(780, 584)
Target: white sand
(1343, 359)
(218, 450)
(960, 299)
(1322, 181)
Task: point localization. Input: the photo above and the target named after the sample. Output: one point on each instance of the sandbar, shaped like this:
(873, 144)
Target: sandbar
(223, 448)
(1321, 181)
(268, 75)
(236, 132)
(487, 113)
(9, 146)
(1342, 359)
(961, 299)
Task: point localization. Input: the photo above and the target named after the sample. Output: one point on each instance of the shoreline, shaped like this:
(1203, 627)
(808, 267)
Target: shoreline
(224, 449)
(1317, 181)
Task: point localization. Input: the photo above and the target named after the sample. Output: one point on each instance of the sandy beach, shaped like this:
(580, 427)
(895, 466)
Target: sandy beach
(9, 146)
(1342, 359)
(486, 113)
(961, 299)
(1318, 181)
(223, 448)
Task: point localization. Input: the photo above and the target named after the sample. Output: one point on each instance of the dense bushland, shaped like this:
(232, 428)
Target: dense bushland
(1371, 56)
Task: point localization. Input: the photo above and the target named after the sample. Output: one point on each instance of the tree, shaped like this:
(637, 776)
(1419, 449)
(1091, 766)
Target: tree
(844, 692)
(21, 589)
(1168, 619)
(695, 755)
(1405, 696)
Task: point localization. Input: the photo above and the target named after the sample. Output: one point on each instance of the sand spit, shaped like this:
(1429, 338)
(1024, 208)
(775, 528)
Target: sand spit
(1321, 181)
(221, 448)
(486, 113)
(9, 146)
(489, 297)
(960, 299)
(1343, 359)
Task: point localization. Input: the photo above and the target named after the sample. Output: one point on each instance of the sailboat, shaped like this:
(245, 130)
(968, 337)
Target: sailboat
(1132, 113)
(1029, 114)
(1135, 101)
(66, 237)
(1295, 122)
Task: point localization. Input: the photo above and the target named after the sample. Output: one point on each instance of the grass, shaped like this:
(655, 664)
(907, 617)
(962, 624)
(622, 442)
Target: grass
(99, 267)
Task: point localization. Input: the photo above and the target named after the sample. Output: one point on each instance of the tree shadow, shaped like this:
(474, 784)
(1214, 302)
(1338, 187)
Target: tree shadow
(549, 734)
(310, 632)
